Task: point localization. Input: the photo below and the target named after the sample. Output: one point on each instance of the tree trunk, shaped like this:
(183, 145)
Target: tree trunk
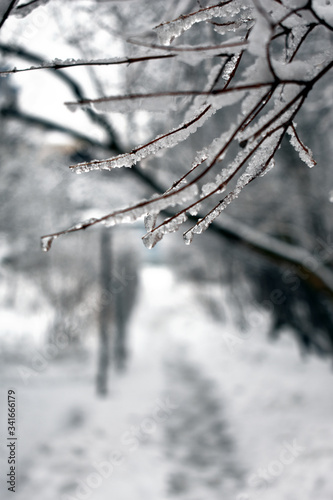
(121, 326)
(104, 313)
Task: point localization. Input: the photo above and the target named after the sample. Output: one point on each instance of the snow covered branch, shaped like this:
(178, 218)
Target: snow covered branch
(261, 61)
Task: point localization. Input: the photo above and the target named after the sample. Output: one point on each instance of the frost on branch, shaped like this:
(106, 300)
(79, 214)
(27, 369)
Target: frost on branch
(303, 151)
(170, 226)
(164, 141)
(131, 214)
(261, 162)
(262, 60)
(169, 31)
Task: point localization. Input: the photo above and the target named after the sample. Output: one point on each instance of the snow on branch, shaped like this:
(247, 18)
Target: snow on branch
(304, 152)
(169, 31)
(72, 63)
(267, 66)
(168, 140)
(130, 214)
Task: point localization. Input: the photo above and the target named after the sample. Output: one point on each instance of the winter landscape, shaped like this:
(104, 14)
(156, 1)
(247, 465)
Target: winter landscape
(198, 367)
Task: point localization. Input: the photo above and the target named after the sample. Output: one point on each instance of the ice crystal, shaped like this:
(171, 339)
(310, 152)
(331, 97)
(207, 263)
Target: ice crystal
(168, 31)
(303, 151)
(165, 141)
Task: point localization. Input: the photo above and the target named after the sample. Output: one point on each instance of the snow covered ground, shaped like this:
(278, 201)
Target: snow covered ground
(203, 412)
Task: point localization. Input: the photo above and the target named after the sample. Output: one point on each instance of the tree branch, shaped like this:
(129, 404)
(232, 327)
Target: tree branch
(307, 266)
(319, 276)
(5, 15)
(48, 125)
(22, 53)
(227, 227)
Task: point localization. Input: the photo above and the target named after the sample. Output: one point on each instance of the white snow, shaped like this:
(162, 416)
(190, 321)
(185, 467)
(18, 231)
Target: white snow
(171, 30)
(303, 151)
(169, 226)
(163, 141)
(324, 10)
(260, 34)
(271, 399)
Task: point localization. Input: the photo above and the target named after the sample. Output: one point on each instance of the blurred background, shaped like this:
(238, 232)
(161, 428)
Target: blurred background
(196, 372)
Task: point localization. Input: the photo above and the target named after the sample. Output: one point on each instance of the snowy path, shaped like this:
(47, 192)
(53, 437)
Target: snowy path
(197, 416)
(199, 445)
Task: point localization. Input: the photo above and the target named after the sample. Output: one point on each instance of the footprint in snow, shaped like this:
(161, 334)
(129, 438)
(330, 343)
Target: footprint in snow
(198, 444)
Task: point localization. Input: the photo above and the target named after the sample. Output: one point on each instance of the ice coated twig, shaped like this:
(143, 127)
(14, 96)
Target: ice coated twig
(164, 141)
(269, 93)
